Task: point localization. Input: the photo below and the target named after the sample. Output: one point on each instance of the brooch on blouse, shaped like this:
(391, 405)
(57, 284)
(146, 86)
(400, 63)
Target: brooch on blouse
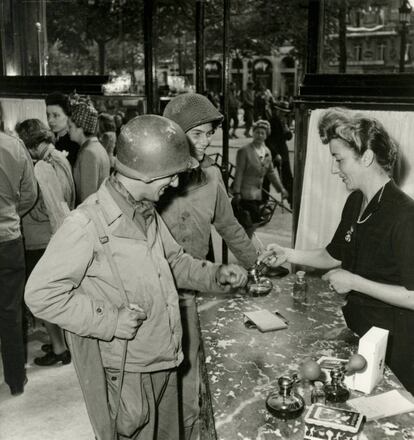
(348, 235)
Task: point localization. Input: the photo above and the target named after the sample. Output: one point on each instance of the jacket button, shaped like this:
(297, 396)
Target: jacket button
(99, 310)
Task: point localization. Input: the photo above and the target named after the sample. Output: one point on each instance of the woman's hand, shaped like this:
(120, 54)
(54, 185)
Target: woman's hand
(274, 255)
(340, 280)
(236, 198)
(278, 158)
(285, 193)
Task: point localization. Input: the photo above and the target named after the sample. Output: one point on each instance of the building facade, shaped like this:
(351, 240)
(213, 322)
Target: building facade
(373, 39)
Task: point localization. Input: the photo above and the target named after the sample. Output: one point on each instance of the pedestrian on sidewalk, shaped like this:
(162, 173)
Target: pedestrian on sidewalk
(189, 211)
(253, 163)
(234, 105)
(109, 278)
(18, 189)
(279, 134)
(248, 107)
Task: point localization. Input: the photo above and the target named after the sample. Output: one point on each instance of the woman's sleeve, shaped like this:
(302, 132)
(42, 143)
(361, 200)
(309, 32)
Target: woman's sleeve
(403, 249)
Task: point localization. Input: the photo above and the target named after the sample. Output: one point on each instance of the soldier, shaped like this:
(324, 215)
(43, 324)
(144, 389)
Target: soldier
(109, 276)
(189, 211)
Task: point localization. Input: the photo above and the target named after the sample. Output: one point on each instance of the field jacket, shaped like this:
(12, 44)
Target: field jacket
(18, 186)
(202, 202)
(73, 287)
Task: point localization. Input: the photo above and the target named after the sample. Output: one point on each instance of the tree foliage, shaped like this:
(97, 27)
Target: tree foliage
(256, 27)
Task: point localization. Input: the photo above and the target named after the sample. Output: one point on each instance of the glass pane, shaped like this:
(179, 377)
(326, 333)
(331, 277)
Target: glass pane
(366, 36)
(176, 48)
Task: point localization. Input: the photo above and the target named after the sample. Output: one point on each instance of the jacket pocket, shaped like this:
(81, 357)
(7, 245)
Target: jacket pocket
(133, 413)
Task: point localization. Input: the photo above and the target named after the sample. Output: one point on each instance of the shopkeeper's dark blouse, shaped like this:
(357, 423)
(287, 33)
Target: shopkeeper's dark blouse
(380, 245)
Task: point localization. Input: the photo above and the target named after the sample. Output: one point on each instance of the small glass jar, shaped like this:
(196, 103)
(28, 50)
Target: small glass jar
(300, 287)
(318, 394)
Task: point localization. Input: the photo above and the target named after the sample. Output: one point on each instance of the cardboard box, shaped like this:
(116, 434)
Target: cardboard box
(326, 423)
(372, 346)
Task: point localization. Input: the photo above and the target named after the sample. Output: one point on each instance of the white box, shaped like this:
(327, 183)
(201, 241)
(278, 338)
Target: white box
(372, 346)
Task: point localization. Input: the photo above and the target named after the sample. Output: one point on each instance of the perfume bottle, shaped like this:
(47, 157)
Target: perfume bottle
(300, 287)
(318, 394)
(284, 403)
(336, 391)
(258, 285)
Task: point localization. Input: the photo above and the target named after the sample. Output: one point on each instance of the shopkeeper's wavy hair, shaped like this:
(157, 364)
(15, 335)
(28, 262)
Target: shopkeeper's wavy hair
(360, 133)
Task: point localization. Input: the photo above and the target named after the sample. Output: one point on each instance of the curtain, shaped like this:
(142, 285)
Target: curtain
(324, 194)
(17, 110)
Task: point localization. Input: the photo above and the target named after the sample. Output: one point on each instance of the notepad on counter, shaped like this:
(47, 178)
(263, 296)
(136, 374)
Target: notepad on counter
(382, 405)
(265, 321)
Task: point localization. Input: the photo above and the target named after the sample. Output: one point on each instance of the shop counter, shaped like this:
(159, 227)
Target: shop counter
(241, 365)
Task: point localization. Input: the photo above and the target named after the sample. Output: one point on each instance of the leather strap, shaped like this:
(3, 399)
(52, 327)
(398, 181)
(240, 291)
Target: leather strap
(104, 239)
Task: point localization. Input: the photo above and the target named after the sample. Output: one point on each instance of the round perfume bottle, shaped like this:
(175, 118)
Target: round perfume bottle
(258, 285)
(284, 403)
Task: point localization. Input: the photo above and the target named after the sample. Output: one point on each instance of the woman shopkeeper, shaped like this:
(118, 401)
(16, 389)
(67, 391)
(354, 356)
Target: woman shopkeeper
(371, 255)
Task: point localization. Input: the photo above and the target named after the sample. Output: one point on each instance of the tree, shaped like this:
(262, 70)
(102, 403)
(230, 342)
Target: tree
(256, 27)
(77, 24)
(259, 26)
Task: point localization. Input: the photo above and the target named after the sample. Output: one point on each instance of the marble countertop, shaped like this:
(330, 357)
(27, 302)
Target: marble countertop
(243, 365)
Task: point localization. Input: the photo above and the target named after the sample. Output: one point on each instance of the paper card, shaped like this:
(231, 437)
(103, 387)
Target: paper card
(265, 321)
(383, 405)
(335, 418)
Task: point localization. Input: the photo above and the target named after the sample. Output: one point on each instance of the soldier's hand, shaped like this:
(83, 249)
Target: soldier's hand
(231, 275)
(129, 320)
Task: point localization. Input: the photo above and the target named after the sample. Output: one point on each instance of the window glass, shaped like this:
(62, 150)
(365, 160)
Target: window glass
(364, 36)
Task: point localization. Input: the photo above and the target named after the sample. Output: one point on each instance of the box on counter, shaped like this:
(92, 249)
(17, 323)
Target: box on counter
(326, 423)
(372, 346)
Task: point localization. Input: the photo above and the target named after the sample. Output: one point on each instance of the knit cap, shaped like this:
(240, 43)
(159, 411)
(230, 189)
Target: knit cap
(190, 110)
(84, 115)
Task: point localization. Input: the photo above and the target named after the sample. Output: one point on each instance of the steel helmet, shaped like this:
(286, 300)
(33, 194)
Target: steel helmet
(190, 110)
(151, 147)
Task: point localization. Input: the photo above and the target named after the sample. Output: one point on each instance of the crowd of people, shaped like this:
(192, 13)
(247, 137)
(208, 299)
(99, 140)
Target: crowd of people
(80, 178)
(115, 236)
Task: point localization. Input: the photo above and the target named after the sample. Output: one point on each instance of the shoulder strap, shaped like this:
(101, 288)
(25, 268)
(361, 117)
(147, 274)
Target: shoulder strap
(104, 239)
